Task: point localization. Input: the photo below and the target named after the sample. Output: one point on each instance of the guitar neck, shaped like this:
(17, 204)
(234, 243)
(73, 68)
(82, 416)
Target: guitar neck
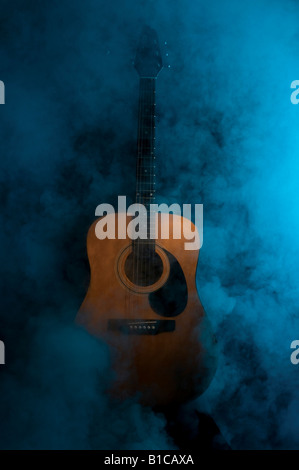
(145, 170)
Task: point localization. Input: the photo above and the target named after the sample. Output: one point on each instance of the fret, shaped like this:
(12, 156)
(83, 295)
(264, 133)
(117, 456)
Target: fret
(146, 168)
(148, 160)
(144, 197)
(147, 176)
(145, 193)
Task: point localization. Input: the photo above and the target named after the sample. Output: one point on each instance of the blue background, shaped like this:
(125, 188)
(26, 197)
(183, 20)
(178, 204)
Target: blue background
(227, 137)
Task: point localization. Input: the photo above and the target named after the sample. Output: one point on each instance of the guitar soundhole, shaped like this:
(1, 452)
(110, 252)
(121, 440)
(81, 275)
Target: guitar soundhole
(144, 268)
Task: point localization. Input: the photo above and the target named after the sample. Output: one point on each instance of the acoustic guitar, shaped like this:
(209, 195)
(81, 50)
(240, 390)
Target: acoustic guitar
(142, 298)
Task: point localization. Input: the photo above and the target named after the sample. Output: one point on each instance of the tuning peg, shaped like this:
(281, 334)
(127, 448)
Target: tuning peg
(167, 65)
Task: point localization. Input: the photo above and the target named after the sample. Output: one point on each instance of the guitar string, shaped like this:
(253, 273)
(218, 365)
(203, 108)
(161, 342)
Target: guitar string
(139, 165)
(149, 189)
(145, 159)
(153, 169)
(147, 179)
(131, 307)
(151, 243)
(148, 256)
(139, 171)
(135, 243)
(142, 247)
(153, 214)
(152, 127)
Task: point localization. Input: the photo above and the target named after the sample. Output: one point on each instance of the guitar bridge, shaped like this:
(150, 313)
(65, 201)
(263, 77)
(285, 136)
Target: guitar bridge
(141, 327)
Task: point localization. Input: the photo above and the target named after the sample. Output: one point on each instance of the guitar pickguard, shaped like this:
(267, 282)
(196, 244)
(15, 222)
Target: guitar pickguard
(171, 299)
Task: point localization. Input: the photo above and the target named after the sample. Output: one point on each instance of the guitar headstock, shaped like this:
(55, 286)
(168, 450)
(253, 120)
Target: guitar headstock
(148, 61)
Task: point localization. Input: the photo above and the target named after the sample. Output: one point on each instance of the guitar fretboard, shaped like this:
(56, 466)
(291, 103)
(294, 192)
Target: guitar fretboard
(145, 169)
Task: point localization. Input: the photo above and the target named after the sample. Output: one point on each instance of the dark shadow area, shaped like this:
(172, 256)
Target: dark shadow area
(194, 431)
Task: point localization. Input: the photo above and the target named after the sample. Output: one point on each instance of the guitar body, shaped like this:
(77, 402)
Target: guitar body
(161, 345)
